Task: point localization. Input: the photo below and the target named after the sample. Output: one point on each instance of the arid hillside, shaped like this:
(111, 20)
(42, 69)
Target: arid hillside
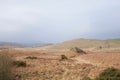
(82, 59)
(88, 43)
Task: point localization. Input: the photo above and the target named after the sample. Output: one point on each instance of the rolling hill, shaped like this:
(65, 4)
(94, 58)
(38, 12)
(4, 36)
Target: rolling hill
(87, 43)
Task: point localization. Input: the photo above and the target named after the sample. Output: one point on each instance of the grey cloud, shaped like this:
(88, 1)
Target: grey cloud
(54, 21)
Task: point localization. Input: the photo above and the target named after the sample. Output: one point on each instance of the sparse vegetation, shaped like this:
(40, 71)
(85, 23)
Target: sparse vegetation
(31, 57)
(5, 67)
(86, 78)
(63, 57)
(77, 50)
(100, 47)
(59, 65)
(20, 63)
(109, 74)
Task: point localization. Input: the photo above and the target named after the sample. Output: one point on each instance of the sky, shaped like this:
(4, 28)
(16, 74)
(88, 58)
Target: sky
(56, 21)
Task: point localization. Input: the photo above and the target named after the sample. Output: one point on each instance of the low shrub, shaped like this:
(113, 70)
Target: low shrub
(31, 57)
(77, 50)
(109, 74)
(63, 57)
(19, 63)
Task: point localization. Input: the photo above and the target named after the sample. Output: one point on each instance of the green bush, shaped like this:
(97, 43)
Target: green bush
(5, 67)
(31, 57)
(63, 57)
(109, 74)
(77, 50)
(20, 63)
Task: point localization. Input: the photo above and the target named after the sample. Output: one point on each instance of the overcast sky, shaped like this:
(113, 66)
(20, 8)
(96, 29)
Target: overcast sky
(58, 20)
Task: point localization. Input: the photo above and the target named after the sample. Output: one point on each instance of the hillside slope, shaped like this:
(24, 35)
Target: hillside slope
(88, 43)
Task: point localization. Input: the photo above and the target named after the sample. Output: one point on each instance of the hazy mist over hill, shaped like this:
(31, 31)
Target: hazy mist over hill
(56, 21)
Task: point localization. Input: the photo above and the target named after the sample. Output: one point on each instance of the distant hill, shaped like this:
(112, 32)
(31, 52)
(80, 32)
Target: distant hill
(9, 45)
(35, 44)
(4, 45)
(88, 43)
(117, 41)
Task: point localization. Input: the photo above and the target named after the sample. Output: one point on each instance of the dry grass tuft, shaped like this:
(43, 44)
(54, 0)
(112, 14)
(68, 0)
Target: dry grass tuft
(5, 67)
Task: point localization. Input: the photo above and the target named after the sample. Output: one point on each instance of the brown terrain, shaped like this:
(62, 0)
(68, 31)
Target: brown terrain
(49, 66)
